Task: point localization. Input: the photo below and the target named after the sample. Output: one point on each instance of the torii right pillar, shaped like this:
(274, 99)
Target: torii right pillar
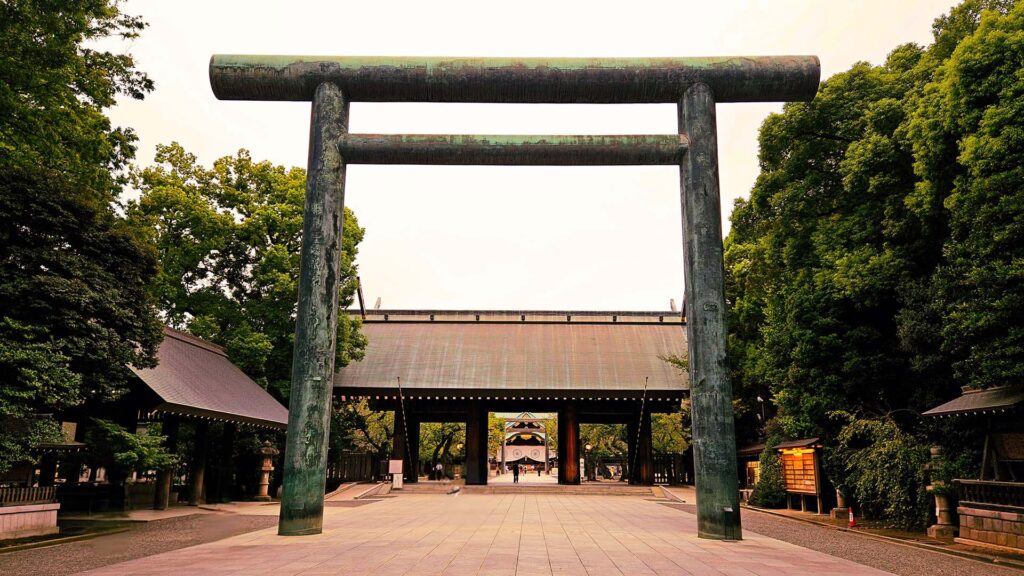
(714, 434)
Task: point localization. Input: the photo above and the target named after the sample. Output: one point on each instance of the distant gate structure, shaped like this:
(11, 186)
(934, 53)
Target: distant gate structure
(695, 85)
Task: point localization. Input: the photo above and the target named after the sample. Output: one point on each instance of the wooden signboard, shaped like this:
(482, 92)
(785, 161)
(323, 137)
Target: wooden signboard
(800, 470)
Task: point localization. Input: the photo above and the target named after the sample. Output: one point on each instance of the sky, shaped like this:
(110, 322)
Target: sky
(509, 238)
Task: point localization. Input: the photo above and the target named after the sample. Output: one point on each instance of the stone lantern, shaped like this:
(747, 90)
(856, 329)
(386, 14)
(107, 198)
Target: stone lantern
(268, 452)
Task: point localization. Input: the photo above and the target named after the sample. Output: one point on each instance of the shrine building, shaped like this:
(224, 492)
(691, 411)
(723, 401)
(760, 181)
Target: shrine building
(458, 366)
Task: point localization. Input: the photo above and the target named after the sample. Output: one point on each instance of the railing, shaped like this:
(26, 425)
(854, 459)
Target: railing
(991, 495)
(22, 496)
(351, 467)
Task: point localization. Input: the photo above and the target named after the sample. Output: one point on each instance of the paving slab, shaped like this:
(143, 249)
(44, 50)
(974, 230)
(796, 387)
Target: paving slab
(514, 534)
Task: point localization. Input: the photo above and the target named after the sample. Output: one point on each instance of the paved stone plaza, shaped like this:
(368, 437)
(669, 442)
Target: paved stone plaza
(511, 534)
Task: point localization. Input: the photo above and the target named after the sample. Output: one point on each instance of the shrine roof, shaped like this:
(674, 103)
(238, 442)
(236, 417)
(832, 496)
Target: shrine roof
(990, 400)
(195, 378)
(565, 353)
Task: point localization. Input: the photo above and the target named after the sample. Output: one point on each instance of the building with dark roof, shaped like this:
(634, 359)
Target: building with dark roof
(589, 367)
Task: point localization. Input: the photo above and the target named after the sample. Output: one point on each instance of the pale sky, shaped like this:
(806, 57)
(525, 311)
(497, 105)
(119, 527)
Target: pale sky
(523, 238)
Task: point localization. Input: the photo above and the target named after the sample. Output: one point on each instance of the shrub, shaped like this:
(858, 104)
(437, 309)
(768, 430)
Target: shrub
(881, 467)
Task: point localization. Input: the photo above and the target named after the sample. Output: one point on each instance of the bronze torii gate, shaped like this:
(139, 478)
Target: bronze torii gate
(694, 84)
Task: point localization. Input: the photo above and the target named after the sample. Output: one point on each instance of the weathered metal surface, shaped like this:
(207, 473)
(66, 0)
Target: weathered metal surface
(714, 436)
(476, 443)
(664, 150)
(515, 80)
(518, 359)
(305, 461)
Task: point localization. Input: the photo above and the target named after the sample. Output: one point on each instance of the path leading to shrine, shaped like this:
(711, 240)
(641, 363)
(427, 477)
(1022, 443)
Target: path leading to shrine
(498, 535)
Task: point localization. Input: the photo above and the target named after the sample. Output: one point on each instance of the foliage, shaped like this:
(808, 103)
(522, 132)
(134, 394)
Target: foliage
(977, 99)
(850, 275)
(74, 309)
(439, 442)
(770, 491)
(229, 239)
(355, 427)
(127, 451)
(883, 470)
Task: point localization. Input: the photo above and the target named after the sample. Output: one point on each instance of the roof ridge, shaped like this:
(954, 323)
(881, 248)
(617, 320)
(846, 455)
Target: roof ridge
(196, 341)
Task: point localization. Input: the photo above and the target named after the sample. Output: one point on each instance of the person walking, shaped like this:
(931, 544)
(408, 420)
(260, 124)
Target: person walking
(515, 472)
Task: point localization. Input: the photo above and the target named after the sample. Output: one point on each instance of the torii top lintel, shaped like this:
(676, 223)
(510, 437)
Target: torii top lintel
(515, 80)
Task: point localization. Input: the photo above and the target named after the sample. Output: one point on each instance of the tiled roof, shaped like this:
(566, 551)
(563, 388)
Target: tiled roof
(529, 352)
(195, 377)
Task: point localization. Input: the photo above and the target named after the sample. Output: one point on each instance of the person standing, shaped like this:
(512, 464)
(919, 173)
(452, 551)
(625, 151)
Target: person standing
(515, 472)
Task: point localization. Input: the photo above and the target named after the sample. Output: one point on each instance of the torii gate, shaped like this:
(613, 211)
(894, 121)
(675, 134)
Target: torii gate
(694, 84)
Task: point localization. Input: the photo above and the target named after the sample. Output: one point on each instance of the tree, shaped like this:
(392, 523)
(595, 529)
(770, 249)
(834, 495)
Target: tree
(977, 104)
(74, 306)
(873, 269)
(229, 239)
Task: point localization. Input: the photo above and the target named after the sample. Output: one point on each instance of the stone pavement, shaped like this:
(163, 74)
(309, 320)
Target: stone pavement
(516, 534)
(525, 478)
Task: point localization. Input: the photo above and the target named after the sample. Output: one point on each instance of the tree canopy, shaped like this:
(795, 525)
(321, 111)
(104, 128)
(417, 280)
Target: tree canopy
(229, 239)
(876, 266)
(74, 274)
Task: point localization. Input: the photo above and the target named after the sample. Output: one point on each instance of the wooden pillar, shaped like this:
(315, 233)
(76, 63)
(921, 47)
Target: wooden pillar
(164, 478)
(476, 443)
(412, 473)
(644, 451)
(226, 463)
(547, 451)
(568, 445)
(504, 438)
(48, 468)
(309, 413)
(197, 478)
(399, 442)
(631, 466)
(714, 435)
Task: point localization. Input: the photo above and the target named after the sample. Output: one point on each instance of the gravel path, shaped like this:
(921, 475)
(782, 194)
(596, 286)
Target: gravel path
(141, 540)
(899, 559)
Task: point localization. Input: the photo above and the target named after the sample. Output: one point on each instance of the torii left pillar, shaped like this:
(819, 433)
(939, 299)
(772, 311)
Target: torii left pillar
(309, 414)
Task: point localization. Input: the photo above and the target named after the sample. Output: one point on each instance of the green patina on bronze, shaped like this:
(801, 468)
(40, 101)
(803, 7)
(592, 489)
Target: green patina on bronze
(511, 80)
(309, 406)
(512, 150)
(695, 84)
(713, 426)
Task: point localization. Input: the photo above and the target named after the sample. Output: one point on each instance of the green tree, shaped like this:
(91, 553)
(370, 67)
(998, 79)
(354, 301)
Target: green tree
(229, 239)
(976, 107)
(74, 306)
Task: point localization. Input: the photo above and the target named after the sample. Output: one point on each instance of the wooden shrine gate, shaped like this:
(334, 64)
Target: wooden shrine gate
(695, 85)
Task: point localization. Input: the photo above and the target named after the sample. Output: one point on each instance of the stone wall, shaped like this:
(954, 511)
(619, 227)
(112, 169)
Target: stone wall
(28, 520)
(991, 528)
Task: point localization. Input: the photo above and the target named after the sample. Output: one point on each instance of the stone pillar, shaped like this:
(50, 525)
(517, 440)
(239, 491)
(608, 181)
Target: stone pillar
(267, 452)
(568, 445)
(476, 444)
(164, 478)
(714, 435)
(197, 478)
(309, 408)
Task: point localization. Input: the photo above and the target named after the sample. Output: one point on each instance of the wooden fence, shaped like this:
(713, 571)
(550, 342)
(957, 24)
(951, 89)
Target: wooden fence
(22, 496)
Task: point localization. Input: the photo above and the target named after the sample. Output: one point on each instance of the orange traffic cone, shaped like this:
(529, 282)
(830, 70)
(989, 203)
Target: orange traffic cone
(853, 523)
